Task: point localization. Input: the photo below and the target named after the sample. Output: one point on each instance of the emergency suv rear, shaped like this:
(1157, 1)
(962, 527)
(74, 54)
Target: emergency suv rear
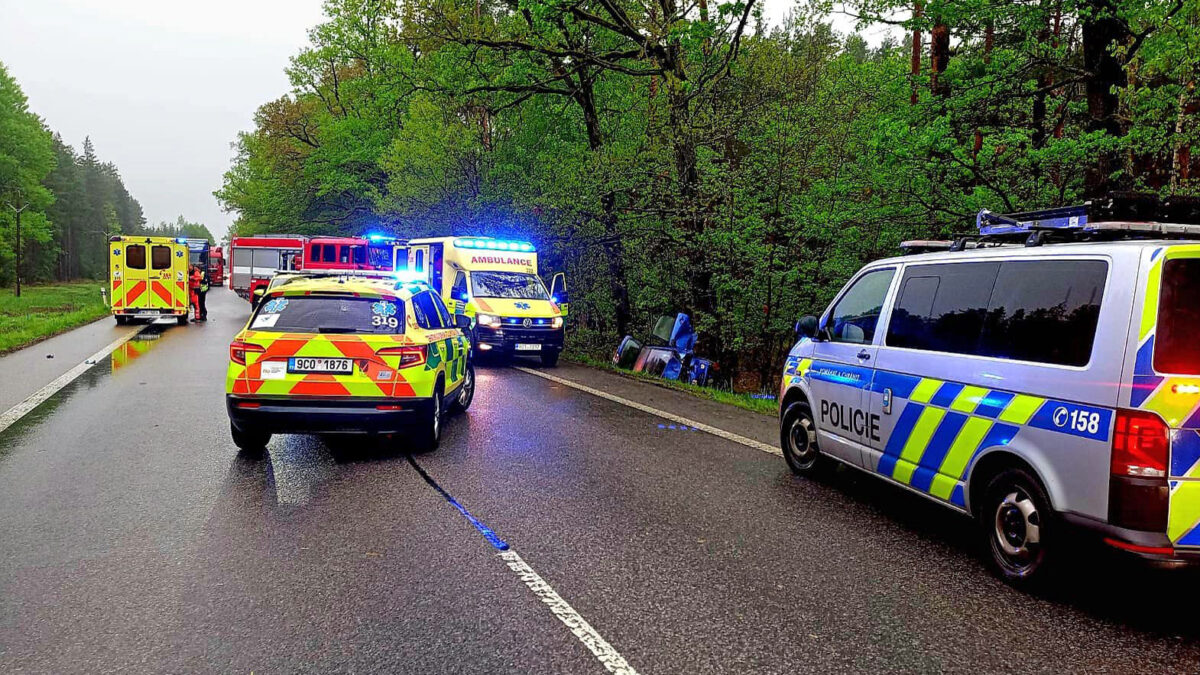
(347, 354)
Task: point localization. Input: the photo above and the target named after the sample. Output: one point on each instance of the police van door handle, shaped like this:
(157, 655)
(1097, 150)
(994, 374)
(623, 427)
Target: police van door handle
(864, 355)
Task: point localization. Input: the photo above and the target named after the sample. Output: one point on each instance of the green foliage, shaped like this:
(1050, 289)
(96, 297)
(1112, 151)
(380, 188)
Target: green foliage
(673, 158)
(45, 310)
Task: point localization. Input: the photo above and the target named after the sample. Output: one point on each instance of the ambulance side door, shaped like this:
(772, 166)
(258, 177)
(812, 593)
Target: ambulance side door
(842, 367)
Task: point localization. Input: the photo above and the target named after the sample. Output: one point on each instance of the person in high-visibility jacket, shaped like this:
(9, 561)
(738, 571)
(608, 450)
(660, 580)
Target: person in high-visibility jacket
(194, 280)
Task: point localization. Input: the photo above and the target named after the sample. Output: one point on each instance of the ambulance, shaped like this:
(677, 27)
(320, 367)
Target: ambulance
(1041, 377)
(495, 283)
(148, 277)
(347, 353)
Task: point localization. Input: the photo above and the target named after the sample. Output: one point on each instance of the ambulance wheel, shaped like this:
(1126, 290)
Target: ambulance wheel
(550, 359)
(466, 392)
(122, 320)
(798, 440)
(429, 430)
(1017, 522)
(249, 442)
(181, 320)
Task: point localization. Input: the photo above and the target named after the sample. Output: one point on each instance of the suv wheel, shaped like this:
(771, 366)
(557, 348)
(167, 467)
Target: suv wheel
(466, 391)
(1017, 524)
(798, 440)
(249, 442)
(429, 431)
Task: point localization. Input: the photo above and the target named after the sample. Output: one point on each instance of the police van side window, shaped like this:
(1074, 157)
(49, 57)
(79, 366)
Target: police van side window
(1043, 311)
(941, 308)
(856, 314)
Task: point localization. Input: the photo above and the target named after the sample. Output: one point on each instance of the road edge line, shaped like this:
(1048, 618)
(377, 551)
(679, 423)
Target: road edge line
(608, 656)
(15, 413)
(720, 433)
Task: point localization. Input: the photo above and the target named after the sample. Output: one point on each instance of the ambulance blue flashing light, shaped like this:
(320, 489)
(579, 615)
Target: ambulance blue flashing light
(495, 245)
(409, 277)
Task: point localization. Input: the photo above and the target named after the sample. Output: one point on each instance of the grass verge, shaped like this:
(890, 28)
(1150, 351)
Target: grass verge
(45, 310)
(744, 401)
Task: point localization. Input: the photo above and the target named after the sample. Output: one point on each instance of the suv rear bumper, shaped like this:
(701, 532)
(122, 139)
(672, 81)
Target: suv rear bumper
(322, 415)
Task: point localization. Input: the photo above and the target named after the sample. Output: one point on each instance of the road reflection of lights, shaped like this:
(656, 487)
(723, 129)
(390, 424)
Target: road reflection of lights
(301, 464)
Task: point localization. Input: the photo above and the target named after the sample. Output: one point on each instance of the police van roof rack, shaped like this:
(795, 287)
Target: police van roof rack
(960, 242)
(1120, 215)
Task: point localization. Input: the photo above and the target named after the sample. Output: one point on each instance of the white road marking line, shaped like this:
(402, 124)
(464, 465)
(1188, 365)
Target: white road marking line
(721, 433)
(608, 656)
(24, 407)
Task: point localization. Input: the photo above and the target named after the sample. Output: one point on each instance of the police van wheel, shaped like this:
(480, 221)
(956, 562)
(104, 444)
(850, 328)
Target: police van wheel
(249, 442)
(466, 392)
(429, 429)
(798, 438)
(1017, 522)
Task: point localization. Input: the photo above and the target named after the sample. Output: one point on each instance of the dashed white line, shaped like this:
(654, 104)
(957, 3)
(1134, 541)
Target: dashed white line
(607, 655)
(24, 407)
(721, 433)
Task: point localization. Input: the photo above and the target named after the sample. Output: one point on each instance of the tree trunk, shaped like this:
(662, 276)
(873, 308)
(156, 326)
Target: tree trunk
(1101, 32)
(939, 58)
(918, 12)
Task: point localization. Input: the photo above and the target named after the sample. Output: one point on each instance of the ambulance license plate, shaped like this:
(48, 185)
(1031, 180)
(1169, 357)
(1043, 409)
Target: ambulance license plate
(528, 348)
(320, 365)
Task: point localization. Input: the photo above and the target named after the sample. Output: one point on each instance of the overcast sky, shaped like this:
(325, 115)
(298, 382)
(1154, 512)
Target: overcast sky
(162, 86)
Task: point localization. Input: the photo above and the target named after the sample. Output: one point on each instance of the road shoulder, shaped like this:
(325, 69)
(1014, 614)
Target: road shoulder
(27, 370)
(760, 428)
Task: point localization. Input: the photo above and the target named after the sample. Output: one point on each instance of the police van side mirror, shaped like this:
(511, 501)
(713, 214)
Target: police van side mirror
(807, 327)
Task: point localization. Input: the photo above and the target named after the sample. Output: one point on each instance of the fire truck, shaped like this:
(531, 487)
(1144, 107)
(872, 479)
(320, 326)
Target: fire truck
(216, 266)
(254, 260)
(373, 252)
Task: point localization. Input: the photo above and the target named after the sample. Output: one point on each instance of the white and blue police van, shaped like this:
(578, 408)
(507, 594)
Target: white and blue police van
(1042, 376)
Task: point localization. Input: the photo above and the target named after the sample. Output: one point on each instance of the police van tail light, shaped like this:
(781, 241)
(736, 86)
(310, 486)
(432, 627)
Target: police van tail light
(239, 349)
(1138, 494)
(409, 356)
(1141, 444)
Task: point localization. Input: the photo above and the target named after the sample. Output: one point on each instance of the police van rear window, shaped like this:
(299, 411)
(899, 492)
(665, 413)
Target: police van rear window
(1043, 311)
(330, 314)
(1175, 344)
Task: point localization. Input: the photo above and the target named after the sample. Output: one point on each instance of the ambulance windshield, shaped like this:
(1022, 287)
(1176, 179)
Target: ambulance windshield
(508, 285)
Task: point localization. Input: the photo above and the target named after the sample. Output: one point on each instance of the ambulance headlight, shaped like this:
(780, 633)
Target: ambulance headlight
(490, 320)
(556, 322)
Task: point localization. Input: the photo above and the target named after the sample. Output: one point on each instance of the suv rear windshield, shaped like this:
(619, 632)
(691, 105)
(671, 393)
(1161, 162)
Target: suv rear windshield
(330, 314)
(1175, 346)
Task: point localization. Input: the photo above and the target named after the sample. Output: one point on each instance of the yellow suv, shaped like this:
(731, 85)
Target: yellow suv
(347, 353)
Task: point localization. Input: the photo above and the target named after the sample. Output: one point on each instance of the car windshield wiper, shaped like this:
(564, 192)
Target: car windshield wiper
(336, 329)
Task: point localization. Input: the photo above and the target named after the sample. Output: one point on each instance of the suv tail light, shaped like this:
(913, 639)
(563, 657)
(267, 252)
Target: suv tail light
(239, 349)
(1137, 490)
(410, 356)
(1141, 444)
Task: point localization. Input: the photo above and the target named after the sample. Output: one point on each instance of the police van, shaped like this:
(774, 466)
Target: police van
(495, 283)
(1042, 376)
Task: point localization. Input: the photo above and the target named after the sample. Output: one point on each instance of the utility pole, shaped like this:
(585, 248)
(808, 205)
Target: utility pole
(17, 211)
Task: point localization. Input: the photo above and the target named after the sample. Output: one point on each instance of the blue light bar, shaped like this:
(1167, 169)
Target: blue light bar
(495, 245)
(1064, 218)
(376, 237)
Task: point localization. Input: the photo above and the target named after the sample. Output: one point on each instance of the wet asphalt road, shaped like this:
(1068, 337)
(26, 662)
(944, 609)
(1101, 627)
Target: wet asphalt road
(133, 537)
